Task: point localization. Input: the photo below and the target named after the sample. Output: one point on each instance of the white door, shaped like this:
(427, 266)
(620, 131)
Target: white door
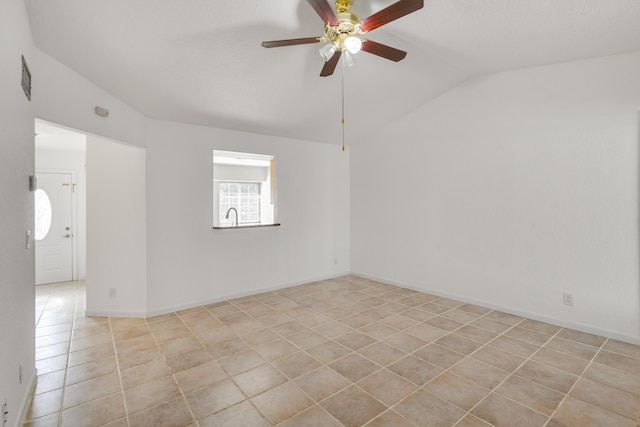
(53, 230)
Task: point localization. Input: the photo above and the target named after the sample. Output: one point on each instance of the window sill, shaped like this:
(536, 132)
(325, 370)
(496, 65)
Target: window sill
(237, 227)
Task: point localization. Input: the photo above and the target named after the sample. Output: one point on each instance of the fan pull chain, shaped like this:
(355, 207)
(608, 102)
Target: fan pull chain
(342, 108)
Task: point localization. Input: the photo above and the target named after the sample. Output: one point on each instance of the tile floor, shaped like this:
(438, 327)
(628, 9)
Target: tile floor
(342, 352)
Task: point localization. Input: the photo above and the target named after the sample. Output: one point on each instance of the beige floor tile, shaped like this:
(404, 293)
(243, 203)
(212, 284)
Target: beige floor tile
(46, 421)
(619, 361)
(527, 335)
(387, 386)
(473, 421)
(180, 345)
(169, 414)
(354, 367)
(329, 351)
(321, 383)
(307, 339)
(582, 337)
(151, 394)
(426, 332)
(276, 349)
(627, 349)
(138, 357)
(614, 378)
(142, 374)
(242, 414)
(86, 391)
(390, 418)
(405, 342)
(415, 370)
(480, 373)
(609, 398)
(498, 358)
(189, 360)
(514, 346)
(199, 377)
(530, 394)
(296, 364)
(353, 407)
(52, 350)
(503, 317)
(439, 356)
(491, 325)
(474, 333)
(49, 382)
(241, 362)
(426, 409)
(44, 404)
(258, 380)
(547, 376)
(576, 413)
(560, 360)
(315, 416)
(538, 326)
(355, 340)
(572, 348)
(282, 402)
(214, 398)
(95, 412)
(295, 352)
(91, 370)
(333, 329)
(459, 344)
(500, 411)
(444, 323)
(462, 393)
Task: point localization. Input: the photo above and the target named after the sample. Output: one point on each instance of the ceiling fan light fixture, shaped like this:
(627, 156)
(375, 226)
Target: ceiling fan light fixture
(347, 59)
(326, 51)
(353, 44)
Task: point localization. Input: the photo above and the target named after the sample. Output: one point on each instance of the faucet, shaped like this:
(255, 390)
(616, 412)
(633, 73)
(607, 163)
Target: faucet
(227, 215)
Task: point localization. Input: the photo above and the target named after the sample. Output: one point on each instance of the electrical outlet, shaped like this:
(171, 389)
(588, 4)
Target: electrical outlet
(112, 292)
(568, 299)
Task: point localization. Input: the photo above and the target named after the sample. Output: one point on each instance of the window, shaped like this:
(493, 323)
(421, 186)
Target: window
(244, 191)
(43, 214)
(244, 197)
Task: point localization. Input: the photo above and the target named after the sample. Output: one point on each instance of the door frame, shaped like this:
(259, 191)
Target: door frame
(74, 215)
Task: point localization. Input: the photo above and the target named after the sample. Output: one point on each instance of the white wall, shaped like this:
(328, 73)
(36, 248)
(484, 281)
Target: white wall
(17, 264)
(68, 99)
(510, 190)
(71, 161)
(116, 228)
(190, 263)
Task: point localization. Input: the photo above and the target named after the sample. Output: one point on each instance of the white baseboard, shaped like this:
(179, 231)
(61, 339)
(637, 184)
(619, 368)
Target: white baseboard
(26, 399)
(530, 315)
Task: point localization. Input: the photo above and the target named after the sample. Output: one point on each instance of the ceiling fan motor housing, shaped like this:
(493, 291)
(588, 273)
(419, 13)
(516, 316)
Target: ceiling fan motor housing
(349, 25)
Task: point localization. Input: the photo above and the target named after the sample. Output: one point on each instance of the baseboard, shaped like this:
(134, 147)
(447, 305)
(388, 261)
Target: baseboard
(26, 400)
(522, 313)
(114, 313)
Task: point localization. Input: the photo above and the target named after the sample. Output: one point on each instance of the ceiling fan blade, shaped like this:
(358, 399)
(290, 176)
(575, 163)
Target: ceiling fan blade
(330, 65)
(291, 42)
(384, 51)
(391, 13)
(325, 11)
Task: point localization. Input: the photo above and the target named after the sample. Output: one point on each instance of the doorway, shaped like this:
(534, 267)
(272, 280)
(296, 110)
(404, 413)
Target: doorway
(60, 201)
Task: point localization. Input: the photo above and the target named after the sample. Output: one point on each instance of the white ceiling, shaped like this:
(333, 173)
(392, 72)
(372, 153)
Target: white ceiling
(200, 61)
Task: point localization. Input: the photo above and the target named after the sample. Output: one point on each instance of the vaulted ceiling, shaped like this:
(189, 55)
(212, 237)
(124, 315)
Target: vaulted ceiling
(200, 61)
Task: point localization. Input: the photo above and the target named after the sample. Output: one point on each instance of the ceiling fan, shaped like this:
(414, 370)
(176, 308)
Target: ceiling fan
(342, 31)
